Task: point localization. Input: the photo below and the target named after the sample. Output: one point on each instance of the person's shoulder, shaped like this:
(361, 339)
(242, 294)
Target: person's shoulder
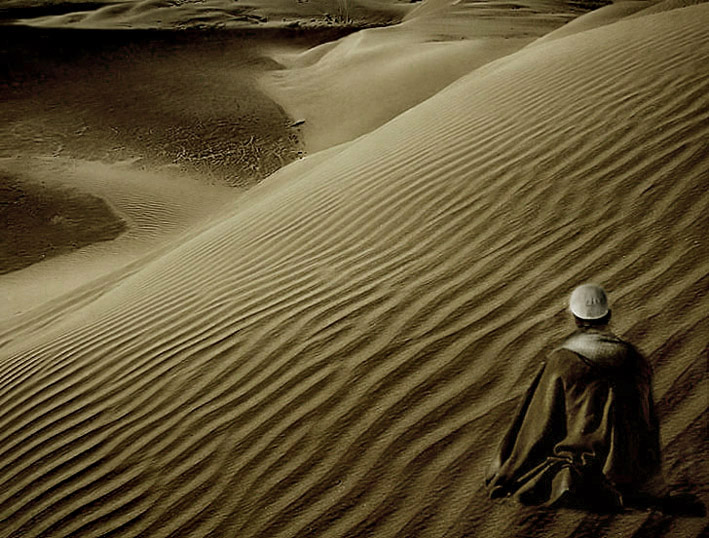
(633, 357)
(636, 362)
(561, 359)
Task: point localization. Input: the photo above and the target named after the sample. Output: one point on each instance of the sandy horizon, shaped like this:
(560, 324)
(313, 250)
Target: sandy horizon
(279, 269)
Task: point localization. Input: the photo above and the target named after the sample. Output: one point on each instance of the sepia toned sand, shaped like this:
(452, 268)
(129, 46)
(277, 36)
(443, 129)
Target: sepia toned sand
(58, 220)
(337, 351)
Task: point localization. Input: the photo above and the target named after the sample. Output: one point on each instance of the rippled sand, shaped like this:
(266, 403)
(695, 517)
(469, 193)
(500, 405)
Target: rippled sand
(337, 351)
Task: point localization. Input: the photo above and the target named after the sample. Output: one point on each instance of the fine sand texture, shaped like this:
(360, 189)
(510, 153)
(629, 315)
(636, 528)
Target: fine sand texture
(337, 351)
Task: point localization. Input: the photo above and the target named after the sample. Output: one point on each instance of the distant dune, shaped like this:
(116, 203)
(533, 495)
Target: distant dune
(154, 122)
(184, 14)
(344, 89)
(337, 351)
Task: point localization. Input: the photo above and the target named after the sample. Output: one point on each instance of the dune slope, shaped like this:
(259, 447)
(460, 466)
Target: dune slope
(45, 222)
(338, 357)
(100, 217)
(344, 89)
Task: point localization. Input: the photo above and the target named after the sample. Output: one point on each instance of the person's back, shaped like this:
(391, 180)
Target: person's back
(586, 431)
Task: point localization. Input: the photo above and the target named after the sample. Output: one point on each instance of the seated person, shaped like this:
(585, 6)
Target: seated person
(585, 433)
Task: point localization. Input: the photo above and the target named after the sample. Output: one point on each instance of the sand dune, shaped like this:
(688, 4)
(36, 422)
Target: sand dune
(599, 17)
(152, 122)
(338, 354)
(145, 211)
(185, 14)
(332, 87)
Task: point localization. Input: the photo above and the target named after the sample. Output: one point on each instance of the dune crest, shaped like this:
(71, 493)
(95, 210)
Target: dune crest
(337, 355)
(344, 89)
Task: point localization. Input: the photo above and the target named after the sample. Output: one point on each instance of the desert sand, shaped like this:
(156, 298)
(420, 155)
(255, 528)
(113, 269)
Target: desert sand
(342, 240)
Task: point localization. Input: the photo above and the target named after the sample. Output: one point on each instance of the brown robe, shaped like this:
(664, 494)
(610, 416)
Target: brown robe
(586, 432)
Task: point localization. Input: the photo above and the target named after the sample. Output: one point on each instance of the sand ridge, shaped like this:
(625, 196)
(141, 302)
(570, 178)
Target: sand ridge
(331, 88)
(335, 357)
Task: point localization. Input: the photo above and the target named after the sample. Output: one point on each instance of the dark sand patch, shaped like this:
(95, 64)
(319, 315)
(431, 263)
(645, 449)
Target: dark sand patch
(160, 97)
(40, 221)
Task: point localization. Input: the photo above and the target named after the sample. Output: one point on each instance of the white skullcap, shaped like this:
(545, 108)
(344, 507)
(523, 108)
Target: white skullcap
(589, 301)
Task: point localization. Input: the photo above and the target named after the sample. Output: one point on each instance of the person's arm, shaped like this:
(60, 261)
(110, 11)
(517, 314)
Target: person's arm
(510, 438)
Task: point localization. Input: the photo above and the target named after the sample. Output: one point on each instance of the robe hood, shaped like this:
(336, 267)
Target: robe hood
(601, 348)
